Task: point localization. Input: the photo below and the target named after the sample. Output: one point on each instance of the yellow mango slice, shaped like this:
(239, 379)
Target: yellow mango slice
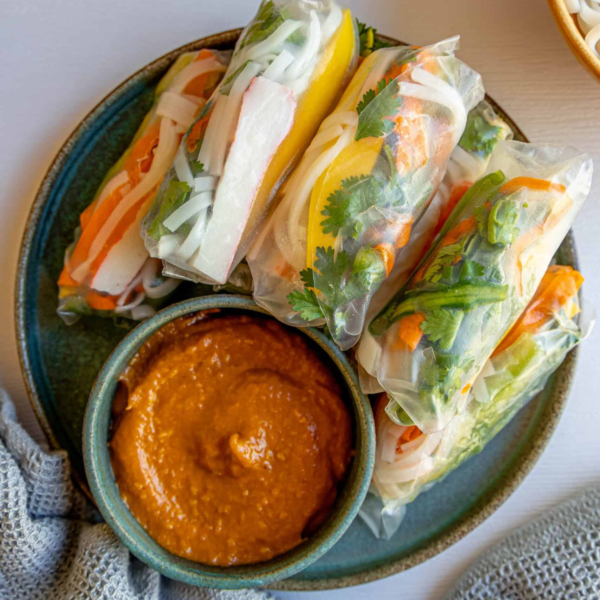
(314, 105)
(356, 159)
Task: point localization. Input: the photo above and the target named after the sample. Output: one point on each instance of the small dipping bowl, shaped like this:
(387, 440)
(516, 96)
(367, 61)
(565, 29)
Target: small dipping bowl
(106, 493)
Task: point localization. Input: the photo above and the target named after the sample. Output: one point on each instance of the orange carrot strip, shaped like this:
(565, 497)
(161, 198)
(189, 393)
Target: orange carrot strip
(559, 285)
(204, 54)
(65, 279)
(100, 302)
(95, 223)
(388, 256)
(119, 231)
(457, 192)
(541, 185)
(408, 435)
(409, 332)
(139, 159)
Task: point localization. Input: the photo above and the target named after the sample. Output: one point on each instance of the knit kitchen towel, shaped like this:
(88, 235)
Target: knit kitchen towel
(554, 558)
(53, 544)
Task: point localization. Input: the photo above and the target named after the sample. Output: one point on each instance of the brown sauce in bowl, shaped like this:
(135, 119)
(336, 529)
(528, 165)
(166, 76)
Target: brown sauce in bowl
(234, 439)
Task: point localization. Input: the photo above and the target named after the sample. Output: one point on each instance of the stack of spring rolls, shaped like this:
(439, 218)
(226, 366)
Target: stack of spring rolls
(381, 197)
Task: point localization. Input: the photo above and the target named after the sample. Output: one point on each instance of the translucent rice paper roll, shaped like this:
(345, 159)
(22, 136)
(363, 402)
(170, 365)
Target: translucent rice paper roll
(409, 462)
(437, 333)
(289, 66)
(107, 270)
(467, 163)
(367, 176)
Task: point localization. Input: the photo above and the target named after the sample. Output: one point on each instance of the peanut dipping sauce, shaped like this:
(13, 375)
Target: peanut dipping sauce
(234, 439)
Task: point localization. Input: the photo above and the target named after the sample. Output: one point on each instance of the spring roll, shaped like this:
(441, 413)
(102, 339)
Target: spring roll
(287, 70)
(436, 334)
(367, 176)
(107, 270)
(467, 163)
(409, 461)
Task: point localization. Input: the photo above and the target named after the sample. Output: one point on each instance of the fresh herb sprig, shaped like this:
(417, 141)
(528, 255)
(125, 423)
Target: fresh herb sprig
(369, 42)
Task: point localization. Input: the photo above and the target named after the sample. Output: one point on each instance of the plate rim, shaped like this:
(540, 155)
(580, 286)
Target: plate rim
(484, 508)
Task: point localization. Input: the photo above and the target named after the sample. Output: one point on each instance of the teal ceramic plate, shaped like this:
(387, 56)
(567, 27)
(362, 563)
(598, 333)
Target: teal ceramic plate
(60, 363)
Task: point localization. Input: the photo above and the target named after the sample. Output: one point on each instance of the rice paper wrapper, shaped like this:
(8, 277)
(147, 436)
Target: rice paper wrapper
(507, 383)
(350, 206)
(436, 334)
(107, 270)
(288, 68)
(467, 163)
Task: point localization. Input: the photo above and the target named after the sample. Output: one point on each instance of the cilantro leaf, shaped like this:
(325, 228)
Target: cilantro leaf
(356, 196)
(175, 195)
(442, 325)
(471, 270)
(498, 224)
(308, 277)
(443, 377)
(266, 21)
(480, 136)
(348, 210)
(337, 283)
(197, 167)
(444, 258)
(371, 94)
(306, 303)
(502, 229)
(376, 111)
(369, 41)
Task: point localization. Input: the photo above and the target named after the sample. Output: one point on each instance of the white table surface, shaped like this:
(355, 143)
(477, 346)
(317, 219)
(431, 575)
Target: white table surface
(60, 57)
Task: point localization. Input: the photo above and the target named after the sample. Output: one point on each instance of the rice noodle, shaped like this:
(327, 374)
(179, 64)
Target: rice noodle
(166, 246)
(182, 168)
(276, 69)
(150, 274)
(121, 178)
(204, 184)
(480, 390)
(194, 238)
(211, 133)
(390, 475)
(195, 69)
(177, 108)
(139, 298)
(388, 444)
(332, 22)
(309, 50)
(314, 172)
(134, 283)
(273, 42)
(195, 100)
(446, 96)
(185, 212)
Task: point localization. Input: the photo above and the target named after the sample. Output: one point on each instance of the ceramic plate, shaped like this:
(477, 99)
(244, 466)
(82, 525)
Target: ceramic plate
(60, 363)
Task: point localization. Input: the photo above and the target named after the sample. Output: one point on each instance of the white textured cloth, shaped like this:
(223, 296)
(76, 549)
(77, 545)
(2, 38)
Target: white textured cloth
(557, 557)
(52, 543)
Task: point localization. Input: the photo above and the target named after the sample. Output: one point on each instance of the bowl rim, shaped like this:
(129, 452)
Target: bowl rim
(130, 532)
(575, 39)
